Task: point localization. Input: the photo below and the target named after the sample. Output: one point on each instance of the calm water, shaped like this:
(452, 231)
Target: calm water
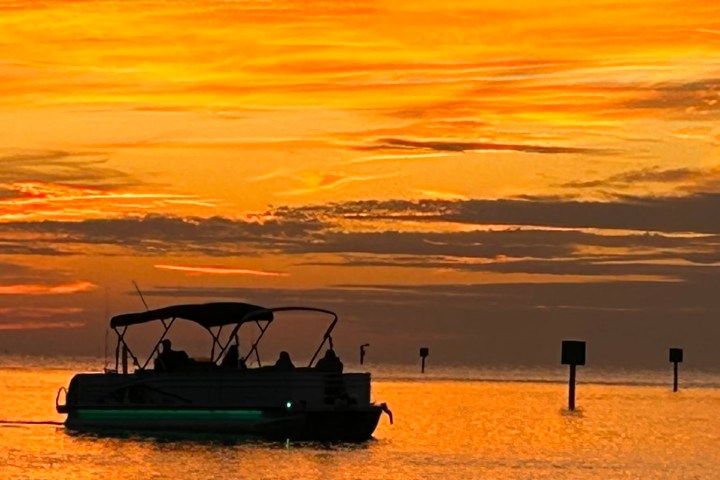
(451, 424)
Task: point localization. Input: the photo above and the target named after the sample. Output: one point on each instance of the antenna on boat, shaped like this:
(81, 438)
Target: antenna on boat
(137, 289)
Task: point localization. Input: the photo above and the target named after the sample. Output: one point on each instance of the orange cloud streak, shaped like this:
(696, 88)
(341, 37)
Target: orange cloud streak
(209, 270)
(35, 325)
(329, 181)
(35, 289)
(42, 200)
(38, 312)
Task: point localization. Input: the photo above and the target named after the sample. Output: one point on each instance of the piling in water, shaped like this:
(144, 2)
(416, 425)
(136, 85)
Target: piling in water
(424, 352)
(573, 354)
(676, 357)
(362, 352)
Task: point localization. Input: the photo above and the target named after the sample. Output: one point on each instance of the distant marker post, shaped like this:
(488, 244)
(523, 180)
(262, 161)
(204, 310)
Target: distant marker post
(676, 357)
(362, 352)
(573, 354)
(424, 352)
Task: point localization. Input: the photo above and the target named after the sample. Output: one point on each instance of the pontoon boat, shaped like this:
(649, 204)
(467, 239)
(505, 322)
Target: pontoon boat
(217, 395)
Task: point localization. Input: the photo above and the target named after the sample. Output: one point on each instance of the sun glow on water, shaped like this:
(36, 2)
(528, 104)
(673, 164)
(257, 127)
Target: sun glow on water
(464, 429)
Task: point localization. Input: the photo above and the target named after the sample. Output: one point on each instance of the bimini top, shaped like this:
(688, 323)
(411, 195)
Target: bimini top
(205, 314)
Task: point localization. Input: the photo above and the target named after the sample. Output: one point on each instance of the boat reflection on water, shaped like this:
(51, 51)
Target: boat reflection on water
(221, 395)
(210, 439)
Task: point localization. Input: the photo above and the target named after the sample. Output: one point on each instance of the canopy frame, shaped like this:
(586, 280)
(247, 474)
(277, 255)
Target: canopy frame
(251, 316)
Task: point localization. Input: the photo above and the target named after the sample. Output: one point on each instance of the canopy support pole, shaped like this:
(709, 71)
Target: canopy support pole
(121, 341)
(216, 342)
(327, 337)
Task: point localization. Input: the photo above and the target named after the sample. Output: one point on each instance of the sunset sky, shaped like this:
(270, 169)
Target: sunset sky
(487, 178)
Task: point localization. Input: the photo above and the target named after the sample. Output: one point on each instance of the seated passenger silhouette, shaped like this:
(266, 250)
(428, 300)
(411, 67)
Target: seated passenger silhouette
(329, 363)
(231, 357)
(283, 362)
(169, 359)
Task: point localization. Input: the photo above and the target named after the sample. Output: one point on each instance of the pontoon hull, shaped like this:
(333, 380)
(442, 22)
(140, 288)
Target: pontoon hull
(341, 425)
(303, 405)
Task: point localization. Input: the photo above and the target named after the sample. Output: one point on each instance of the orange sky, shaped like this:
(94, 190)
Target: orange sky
(254, 149)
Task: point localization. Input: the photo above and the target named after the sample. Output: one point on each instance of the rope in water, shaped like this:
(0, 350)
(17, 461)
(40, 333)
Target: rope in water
(29, 422)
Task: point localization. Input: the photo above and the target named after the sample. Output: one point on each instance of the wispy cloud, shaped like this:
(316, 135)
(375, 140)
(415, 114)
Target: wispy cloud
(468, 146)
(13, 270)
(216, 270)
(439, 195)
(161, 234)
(38, 312)
(692, 97)
(638, 213)
(33, 200)
(645, 175)
(39, 289)
(615, 266)
(329, 181)
(40, 325)
(272, 174)
(709, 30)
(76, 168)
(396, 157)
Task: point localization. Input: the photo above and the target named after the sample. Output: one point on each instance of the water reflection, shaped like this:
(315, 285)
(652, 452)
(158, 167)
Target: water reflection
(213, 439)
(443, 429)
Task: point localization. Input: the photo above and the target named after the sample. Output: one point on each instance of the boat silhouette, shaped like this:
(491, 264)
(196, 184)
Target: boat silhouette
(221, 395)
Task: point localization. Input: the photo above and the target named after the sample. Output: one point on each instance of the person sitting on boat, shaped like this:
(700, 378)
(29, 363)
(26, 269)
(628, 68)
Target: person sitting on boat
(230, 360)
(170, 359)
(330, 362)
(233, 359)
(283, 362)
